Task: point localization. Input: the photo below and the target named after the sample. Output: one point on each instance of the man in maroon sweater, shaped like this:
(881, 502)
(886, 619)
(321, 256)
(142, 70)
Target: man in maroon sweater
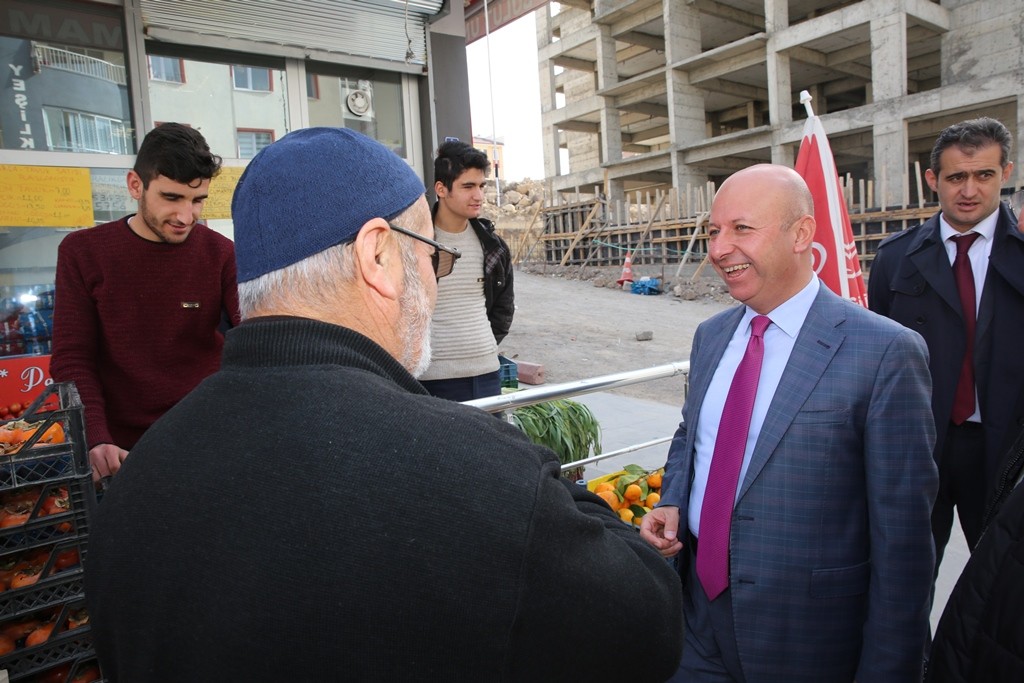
(142, 303)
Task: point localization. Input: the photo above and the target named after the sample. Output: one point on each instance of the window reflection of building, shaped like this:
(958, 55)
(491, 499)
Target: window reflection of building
(64, 98)
(239, 108)
(364, 100)
(252, 141)
(252, 78)
(73, 131)
(166, 69)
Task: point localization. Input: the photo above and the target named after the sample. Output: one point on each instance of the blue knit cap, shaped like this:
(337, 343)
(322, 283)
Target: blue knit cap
(312, 189)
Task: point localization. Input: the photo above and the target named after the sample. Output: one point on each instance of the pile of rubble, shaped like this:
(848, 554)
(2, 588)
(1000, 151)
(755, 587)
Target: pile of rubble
(517, 199)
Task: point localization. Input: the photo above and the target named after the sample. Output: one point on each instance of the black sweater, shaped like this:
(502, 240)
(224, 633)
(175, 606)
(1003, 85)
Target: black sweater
(308, 513)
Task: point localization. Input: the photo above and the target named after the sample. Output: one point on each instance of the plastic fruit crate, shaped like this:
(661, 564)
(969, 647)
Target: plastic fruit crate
(61, 647)
(60, 579)
(35, 462)
(41, 529)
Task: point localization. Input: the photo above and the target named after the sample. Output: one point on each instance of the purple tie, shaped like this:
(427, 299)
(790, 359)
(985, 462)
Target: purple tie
(720, 493)
(963, 401)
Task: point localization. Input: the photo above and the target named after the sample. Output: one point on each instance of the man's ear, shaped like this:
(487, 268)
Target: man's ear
(931, 179)
(378, 259)
(135, 185)
(439, 189)
(804, 233)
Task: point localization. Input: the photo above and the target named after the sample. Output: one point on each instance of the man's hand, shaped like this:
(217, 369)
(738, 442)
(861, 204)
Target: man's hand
(660, 528)
(106, 460)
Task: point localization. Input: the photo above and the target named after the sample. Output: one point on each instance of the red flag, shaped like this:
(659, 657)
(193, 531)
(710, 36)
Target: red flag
(835, 254)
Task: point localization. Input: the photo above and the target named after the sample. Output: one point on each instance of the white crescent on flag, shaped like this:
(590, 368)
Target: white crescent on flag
(835, 255)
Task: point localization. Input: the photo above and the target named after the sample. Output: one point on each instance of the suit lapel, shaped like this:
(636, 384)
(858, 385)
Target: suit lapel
(1004, 263)
(815, 346)
(928, 256)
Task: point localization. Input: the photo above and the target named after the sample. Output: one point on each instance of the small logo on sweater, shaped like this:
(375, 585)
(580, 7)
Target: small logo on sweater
(190, 304)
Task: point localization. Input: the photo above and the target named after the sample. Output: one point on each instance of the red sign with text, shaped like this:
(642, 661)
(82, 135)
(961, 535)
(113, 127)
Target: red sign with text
(22, 379)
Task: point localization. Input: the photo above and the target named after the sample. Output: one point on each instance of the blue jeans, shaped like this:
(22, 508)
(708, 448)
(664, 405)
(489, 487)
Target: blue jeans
(465, 388)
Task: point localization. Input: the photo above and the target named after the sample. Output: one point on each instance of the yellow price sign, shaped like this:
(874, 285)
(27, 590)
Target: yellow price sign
(222, 188)
(45, 197)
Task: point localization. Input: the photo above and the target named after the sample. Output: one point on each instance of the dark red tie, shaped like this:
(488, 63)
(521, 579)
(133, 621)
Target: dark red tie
(963, 403)
(726, 462)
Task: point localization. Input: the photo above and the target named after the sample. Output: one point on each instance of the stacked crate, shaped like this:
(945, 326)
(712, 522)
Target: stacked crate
(46, 499)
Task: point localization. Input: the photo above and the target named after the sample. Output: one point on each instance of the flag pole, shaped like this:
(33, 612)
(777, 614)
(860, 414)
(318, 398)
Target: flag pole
(805, 99)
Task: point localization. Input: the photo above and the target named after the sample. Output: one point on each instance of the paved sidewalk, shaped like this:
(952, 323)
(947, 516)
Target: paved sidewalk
(627, 421)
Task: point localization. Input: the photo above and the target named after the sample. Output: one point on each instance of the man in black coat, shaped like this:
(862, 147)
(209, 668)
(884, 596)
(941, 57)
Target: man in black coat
(310, 513)
(980, 637)
(912, 280)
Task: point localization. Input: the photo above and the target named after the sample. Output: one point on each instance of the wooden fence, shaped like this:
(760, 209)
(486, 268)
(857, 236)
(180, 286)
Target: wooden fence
(671, 228)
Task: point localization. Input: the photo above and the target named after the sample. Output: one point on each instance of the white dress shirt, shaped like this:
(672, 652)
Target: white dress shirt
(978, 255)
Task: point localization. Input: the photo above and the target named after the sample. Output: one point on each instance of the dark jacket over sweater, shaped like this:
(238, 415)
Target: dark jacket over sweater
(308, 513)
(499, 295)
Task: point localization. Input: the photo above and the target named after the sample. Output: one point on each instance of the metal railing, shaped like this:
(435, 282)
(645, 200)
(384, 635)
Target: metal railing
(65, 60)
(529, 397)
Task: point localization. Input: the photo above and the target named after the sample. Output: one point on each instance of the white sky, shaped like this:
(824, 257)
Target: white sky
(516, 95)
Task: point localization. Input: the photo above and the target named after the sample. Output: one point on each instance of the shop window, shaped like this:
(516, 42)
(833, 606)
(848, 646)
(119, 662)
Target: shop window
(166, 69)
(224, 114)
(312, 86)
(252, 78)
(73, 131)
(364, 100)
(252, 141)
(79, 69)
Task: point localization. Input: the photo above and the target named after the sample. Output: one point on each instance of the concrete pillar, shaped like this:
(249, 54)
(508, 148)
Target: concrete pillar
(607, 76)
(686, 114)
(891, 161)
(888, 57)
(546, 82)
(780, 80)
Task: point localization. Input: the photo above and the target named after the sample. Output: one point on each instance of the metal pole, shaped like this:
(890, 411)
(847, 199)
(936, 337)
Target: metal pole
(490, 92)
(528, 397)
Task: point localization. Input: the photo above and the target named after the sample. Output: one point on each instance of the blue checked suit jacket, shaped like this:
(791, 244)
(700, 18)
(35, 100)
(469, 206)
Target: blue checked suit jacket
(831, 554)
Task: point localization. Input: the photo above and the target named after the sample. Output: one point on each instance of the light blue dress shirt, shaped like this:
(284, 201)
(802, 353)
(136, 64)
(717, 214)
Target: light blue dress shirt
(779, 339)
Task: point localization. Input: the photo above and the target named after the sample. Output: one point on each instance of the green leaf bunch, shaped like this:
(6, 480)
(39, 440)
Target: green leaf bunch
(565, 426)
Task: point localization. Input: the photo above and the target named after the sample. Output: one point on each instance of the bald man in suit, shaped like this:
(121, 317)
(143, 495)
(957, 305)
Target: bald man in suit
(827, 546)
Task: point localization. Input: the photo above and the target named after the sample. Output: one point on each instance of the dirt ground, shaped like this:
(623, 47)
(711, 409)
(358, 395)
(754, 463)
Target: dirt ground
(579, 329)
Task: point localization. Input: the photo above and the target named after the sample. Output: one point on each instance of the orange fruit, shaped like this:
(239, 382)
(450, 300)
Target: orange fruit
(632, 493)
(610, 498)
(652, 499)
(654, 480)
(604, 486)
(626, 515)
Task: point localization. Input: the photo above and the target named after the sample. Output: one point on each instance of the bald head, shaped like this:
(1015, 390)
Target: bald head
(761, 231)
(782, 184)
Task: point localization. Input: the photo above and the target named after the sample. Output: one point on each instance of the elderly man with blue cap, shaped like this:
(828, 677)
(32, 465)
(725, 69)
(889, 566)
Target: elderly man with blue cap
(310, 513)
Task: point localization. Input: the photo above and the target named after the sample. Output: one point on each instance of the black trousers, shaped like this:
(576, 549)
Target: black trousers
(962, 485)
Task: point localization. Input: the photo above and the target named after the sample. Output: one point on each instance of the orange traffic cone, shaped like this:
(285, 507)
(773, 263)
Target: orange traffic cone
(627, 271)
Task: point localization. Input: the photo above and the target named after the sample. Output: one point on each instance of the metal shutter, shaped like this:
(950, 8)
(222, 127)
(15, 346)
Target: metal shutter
(374, 29)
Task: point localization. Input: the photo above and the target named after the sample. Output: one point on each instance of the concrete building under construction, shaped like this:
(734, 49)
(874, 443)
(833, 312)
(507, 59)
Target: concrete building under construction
(652, 94)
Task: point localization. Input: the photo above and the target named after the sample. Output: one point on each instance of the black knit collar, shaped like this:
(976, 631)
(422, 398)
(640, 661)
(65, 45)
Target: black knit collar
(281, 341)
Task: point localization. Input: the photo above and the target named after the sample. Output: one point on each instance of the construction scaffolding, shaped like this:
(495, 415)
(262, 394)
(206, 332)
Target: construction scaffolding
(671, 228)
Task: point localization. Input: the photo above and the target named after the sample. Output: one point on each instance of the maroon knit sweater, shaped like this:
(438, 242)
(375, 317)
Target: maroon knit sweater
(136, 324)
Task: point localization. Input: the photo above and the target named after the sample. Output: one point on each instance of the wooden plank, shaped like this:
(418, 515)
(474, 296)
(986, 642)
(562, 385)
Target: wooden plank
(580, 233)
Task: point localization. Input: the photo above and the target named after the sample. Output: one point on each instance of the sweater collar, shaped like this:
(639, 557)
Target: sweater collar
(281, 341)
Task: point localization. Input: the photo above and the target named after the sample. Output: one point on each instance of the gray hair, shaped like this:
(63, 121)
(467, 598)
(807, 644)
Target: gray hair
(313, 281)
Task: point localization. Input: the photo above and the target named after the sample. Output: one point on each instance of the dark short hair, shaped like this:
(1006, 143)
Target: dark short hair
(971, 136)
(175, 151)
(454, 157)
